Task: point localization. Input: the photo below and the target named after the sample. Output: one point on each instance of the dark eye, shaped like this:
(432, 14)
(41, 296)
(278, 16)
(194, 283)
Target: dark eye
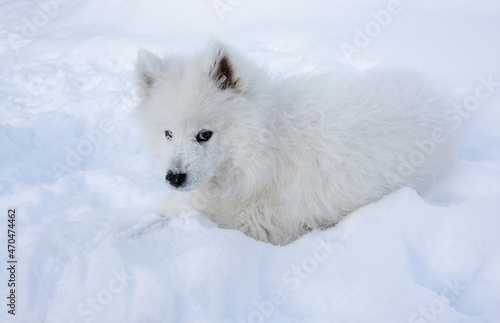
(168, 134)
(203, 135)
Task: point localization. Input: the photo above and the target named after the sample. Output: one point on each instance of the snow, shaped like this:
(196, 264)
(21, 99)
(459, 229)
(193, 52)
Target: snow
(88, 244)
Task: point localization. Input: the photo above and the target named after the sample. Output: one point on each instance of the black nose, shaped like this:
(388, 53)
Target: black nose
(175, 179)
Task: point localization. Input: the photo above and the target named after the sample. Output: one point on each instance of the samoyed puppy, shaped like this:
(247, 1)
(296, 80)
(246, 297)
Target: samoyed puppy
(278, 158)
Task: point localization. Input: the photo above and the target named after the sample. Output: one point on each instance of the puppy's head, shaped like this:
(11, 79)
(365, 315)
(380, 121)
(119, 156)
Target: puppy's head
(188, 112)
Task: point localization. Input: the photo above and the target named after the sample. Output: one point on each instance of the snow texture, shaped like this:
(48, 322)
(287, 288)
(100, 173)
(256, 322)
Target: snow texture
(88, 243)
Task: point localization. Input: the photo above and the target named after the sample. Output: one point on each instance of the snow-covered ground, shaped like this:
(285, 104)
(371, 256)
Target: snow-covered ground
(88, 244)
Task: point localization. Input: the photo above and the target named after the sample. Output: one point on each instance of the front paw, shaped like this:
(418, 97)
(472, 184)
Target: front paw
(172, 205)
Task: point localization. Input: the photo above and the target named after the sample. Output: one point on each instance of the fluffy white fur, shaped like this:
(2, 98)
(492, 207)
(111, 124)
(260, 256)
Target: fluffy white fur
(293, 155)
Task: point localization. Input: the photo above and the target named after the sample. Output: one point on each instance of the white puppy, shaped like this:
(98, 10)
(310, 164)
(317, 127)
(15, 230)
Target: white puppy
(275, 159)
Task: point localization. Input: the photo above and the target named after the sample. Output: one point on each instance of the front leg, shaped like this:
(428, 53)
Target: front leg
(256, 231)
(174, 204)
(254, 223)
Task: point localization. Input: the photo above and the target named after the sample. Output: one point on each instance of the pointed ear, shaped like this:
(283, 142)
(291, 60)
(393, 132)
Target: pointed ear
(149, 69)
(222, 70)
